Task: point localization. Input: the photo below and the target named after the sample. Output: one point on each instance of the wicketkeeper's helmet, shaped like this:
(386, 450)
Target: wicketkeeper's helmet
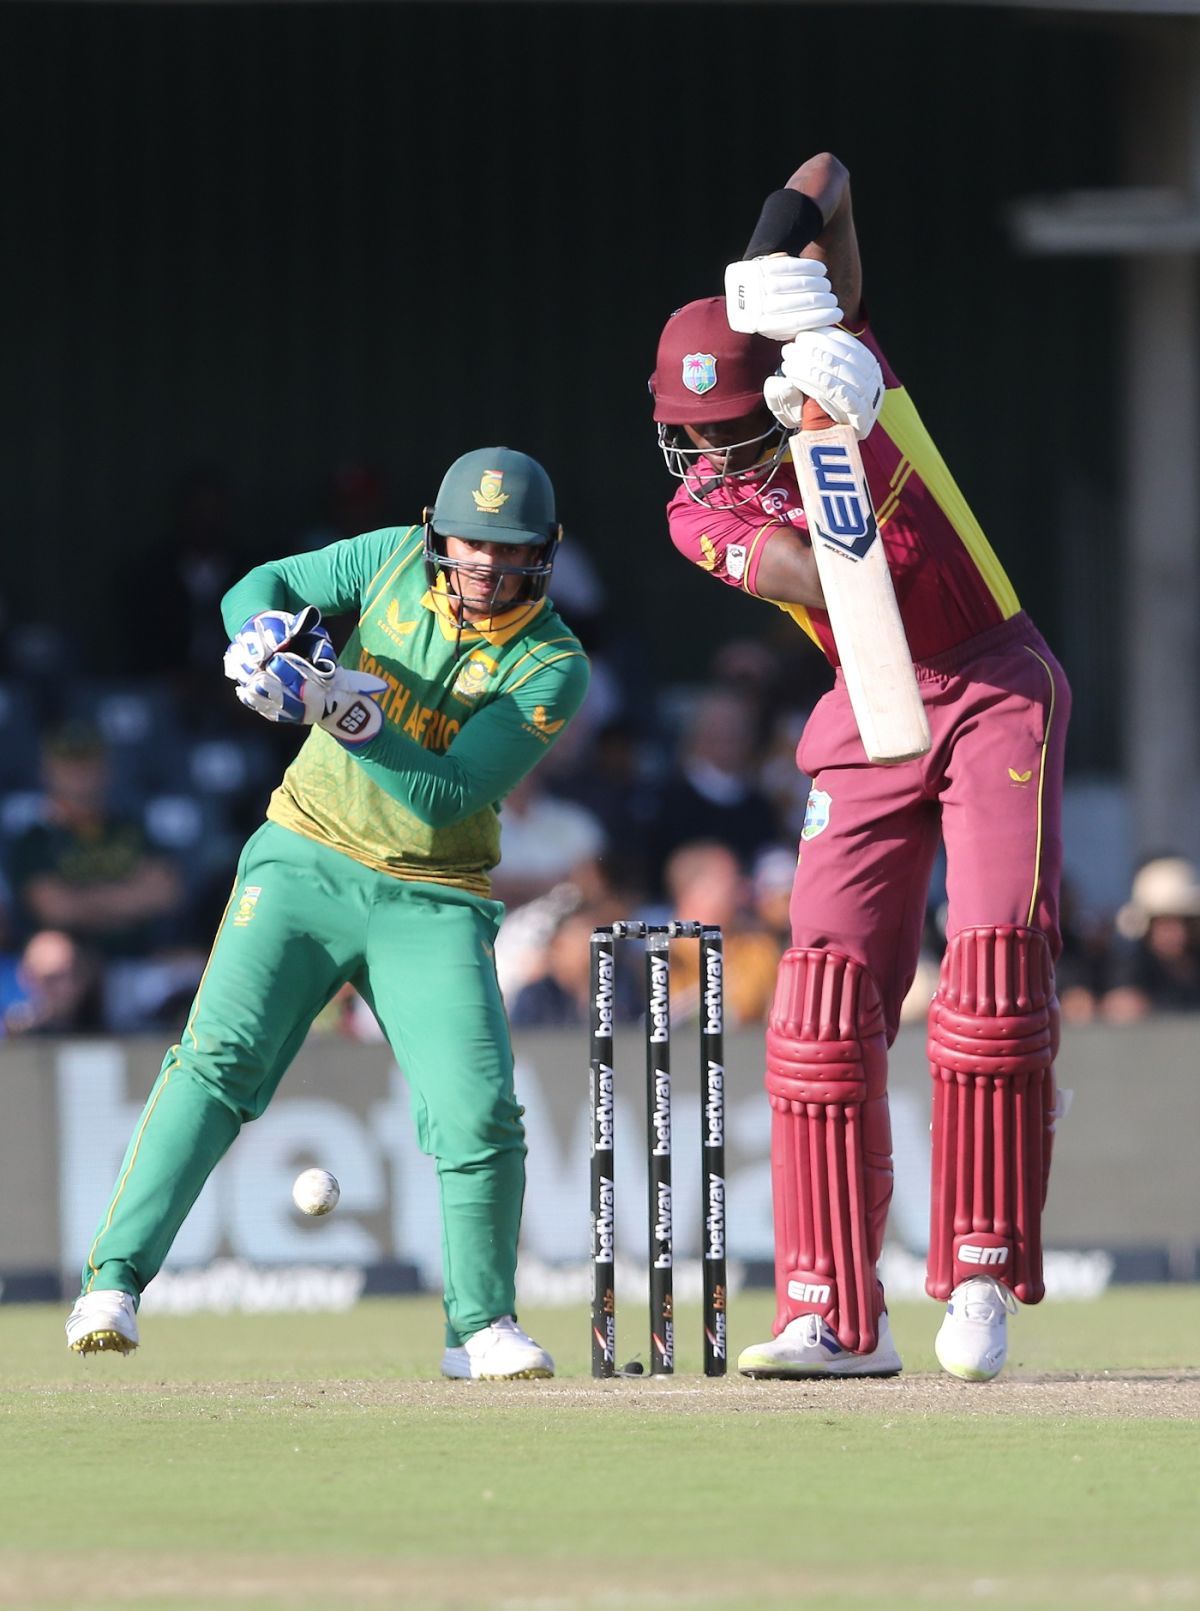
(495, 495)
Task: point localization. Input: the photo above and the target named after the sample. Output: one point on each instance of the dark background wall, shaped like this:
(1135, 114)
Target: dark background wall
(275, 238)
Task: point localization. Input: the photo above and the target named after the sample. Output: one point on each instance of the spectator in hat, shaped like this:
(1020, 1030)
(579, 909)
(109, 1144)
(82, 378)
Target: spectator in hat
(1156, 956)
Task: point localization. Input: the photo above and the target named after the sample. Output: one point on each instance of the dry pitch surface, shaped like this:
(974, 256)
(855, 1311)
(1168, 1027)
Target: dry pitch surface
(1168, 1395)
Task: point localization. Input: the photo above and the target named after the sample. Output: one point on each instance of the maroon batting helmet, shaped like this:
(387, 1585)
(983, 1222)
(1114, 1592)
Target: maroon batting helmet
(706, 371)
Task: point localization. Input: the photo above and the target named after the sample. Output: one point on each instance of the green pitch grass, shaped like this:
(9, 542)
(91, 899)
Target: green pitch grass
(295, 1462)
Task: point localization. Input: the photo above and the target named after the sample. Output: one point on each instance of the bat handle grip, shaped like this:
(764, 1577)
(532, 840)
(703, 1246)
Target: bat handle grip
(813, 417)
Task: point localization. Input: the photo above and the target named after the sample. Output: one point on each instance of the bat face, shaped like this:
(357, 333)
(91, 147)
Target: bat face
(859, 597)
(844, 517)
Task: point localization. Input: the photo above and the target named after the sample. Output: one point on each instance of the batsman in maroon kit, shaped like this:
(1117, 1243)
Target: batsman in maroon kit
(726, 400)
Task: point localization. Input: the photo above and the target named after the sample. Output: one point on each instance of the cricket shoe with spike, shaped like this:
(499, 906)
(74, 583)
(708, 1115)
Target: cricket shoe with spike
(103, 1323)
(500, 1352)
(806, 1347)
(972, 1341)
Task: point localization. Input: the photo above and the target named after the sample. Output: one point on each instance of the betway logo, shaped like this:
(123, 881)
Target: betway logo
(714, 1011)
(602, 1230)
(602, 1132)
(660, 1011)
(808, 1291)
(660, 1117)
(603, 1022)
(972, 1253)
(714, 1107)
(662, 1228)
(714, 1219)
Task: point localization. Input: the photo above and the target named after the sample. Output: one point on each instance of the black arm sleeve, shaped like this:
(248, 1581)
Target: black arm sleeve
(788, 222)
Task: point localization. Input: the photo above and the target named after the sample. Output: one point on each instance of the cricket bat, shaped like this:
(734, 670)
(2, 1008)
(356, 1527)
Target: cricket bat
(859, 596)
(856, 582)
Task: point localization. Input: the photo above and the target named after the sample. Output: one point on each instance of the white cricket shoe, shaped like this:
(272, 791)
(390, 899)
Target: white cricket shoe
(500, 1352)
(807, 1347)
(972, 1341)
(103, 1322)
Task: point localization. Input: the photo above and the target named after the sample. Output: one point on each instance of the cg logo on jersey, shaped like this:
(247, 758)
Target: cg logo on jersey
(847, 519)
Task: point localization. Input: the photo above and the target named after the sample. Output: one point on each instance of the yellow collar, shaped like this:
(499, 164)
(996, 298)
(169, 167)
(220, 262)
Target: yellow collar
(494, 629)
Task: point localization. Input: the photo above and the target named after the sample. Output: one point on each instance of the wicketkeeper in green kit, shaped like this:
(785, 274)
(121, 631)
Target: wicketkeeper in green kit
(372, 868)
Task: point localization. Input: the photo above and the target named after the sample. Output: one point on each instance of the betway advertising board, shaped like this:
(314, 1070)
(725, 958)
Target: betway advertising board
(1124, 1201)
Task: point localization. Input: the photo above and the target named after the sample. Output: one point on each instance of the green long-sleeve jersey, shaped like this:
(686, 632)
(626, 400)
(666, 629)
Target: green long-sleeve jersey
(467, 713)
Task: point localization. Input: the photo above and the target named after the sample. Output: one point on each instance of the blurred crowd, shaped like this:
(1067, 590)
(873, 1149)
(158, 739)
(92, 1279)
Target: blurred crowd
(126, 792)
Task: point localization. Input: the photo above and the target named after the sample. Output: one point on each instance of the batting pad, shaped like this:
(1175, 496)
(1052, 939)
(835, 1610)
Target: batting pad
(831, 1143)
(992, 1035)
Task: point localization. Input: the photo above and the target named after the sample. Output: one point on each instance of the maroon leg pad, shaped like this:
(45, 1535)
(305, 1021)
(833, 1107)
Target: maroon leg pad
(992, 1035)
(831, 1143)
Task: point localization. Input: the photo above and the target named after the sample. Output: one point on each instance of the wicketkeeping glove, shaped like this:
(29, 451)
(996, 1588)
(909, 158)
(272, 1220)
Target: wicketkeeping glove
(273, 631)
(779, 296)
(286, 670)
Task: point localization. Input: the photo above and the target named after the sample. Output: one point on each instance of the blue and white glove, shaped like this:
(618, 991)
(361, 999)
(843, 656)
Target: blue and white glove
(291, 689)
(286, 670)
(272, 632)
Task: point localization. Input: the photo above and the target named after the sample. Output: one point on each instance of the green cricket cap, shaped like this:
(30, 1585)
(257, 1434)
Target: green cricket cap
(497, 495)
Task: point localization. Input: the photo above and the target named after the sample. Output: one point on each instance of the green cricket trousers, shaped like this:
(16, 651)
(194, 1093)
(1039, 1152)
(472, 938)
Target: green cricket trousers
(301, 922)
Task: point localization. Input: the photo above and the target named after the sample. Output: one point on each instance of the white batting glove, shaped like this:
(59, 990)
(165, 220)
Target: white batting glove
(785, 401)
(292, 690)
(836, 371)
(779, 296)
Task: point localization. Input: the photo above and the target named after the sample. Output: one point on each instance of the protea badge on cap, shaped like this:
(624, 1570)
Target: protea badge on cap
(498, 495)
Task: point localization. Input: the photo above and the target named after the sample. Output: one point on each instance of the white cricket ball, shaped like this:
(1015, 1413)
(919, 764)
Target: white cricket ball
(316, 1192)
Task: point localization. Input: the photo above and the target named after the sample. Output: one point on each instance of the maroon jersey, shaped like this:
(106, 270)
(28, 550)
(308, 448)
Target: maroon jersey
(949, 583)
